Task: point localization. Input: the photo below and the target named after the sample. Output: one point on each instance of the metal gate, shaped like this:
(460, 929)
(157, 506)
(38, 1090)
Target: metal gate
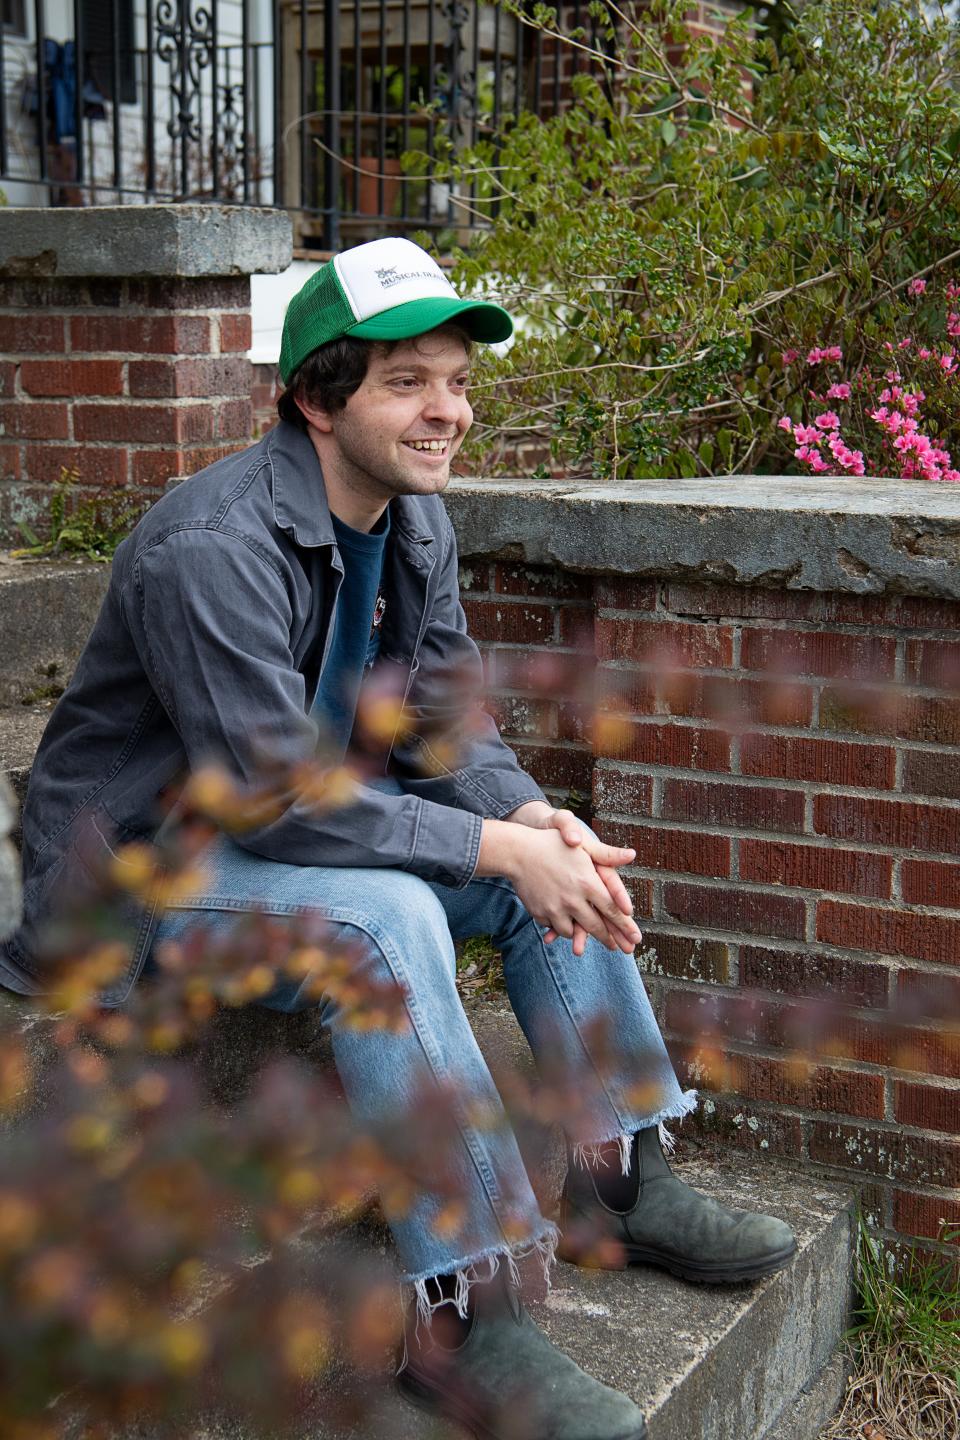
(304, 104)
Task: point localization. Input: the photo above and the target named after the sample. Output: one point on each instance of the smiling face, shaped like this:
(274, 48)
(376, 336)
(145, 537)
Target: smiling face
(398, 433)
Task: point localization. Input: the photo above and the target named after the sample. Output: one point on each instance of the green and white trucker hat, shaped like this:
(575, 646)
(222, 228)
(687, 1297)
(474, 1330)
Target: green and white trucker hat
(384, 290)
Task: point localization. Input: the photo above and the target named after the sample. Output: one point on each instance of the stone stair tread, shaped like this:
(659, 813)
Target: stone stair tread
(746, 1362)
(716, 1361)
(703, 1362)
(21, 727)
(47, 609)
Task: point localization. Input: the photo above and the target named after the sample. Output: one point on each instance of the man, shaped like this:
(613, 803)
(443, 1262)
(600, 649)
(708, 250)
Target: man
(243, 614)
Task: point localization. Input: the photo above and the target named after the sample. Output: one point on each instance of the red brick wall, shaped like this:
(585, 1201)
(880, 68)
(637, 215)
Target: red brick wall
(787, 766)
(555, 63)
(129, 382)
(265, 389)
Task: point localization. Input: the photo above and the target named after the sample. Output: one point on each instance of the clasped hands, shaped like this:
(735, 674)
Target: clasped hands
(566, 877)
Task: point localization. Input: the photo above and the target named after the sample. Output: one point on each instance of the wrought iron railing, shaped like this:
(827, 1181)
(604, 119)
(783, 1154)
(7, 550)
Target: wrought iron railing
(304, 104)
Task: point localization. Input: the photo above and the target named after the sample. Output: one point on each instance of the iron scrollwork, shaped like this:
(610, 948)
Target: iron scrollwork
(230, 118)
(185, 41)
(458, 81)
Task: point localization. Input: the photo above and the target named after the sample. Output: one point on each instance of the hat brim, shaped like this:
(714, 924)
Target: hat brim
(481, 320)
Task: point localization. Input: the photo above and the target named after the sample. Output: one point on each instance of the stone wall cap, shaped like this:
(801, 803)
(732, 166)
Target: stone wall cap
(839, 496)
(148, 241)
(866, 536)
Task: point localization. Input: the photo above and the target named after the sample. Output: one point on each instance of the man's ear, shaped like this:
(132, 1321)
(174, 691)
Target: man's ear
(319, 419)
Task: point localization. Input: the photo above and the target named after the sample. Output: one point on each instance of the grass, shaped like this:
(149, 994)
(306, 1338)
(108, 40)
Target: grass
(91, 525)
(479, 968)
(906, 1344)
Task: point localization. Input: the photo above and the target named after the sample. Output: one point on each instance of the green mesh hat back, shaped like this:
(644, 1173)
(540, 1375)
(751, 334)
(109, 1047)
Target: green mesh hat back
(318, 313)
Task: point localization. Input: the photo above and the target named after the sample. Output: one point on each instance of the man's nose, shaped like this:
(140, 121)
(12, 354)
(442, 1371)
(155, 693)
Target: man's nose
(441, 404)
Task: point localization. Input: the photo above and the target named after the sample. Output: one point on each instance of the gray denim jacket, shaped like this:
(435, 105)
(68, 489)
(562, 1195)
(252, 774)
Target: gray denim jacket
(209, 646)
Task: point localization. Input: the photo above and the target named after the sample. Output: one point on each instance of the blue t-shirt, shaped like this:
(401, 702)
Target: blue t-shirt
(356, 633)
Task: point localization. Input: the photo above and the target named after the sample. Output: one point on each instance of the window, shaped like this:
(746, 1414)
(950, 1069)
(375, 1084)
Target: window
(98, 43)
(14, 17)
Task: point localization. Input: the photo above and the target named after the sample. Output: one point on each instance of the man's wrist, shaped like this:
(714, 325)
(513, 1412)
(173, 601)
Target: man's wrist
(534, 813)
(501, 845)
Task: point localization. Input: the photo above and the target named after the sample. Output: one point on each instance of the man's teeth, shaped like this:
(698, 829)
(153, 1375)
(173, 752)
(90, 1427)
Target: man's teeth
(428, 444)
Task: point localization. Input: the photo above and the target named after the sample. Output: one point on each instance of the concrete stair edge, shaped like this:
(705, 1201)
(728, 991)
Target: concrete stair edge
(47, 610)
(817, 1404)
(741, 1360)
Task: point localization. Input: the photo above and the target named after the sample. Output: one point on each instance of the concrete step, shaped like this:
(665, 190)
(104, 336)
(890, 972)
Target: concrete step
(47, 609)
(20, 730)
(750, 1362)
(745, 1362)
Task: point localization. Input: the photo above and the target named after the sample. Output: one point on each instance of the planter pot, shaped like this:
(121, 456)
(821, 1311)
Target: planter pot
(368, 196)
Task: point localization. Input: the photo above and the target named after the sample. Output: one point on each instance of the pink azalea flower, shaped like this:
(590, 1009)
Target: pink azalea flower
(785, 423)
(827, 421)
(839, 392)
(806, 435)
(906, 343)
(849, 460)
(953, 323)
(923, 353)
(953, 290)
(916, 287)
(789, 356)
(947, 363)
(817, 463)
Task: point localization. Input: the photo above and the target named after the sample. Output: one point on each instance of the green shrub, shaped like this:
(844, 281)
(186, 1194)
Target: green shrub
(704, 206)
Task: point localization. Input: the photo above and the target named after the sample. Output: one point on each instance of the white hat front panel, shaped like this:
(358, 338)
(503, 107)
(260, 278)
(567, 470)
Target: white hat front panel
(384, 273)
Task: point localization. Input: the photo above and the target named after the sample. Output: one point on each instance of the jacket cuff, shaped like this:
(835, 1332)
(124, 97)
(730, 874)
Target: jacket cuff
(501, 808)
(447, 845)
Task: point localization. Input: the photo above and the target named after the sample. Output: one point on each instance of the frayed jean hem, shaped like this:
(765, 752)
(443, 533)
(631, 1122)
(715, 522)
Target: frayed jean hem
(480, 1268)
(588, 1155)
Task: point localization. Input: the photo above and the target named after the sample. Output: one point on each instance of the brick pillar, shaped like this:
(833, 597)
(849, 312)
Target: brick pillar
(124, 331)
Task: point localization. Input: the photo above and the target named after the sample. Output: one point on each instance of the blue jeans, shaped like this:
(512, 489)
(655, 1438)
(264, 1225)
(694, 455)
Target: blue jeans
(587, 1017)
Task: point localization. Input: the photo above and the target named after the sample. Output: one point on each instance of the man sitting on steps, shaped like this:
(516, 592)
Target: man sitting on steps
(242, 615)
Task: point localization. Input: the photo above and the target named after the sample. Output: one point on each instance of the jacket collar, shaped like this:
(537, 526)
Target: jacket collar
(300, 498)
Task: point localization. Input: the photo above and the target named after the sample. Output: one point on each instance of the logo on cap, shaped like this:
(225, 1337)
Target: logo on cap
(392, 275)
